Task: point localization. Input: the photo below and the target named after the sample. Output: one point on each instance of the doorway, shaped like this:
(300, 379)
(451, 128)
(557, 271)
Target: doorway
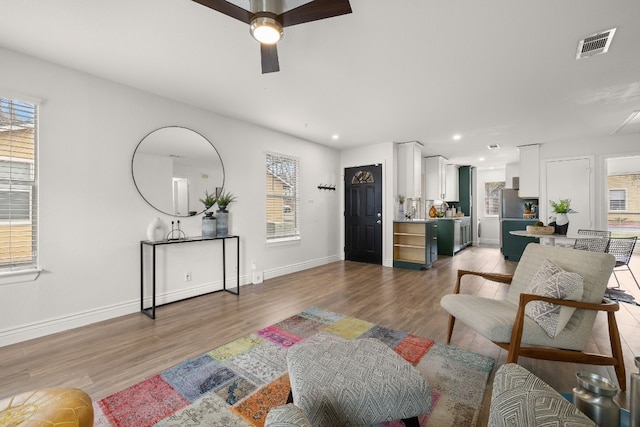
(363, 214)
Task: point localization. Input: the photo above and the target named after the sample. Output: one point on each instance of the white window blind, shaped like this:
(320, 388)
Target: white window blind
(618, 199)
(492, 197)
(18, 185)
(283, 214)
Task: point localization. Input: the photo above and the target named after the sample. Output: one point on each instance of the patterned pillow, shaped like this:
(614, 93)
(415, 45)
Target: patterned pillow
(552, 281)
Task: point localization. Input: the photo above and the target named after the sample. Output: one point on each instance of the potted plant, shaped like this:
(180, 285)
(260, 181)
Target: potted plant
(208, 201)
(560, 221)
(208, 220)
(224, 199)
(222, 224)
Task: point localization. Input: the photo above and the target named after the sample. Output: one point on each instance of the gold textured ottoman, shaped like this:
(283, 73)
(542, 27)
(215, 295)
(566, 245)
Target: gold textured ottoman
(62, 406)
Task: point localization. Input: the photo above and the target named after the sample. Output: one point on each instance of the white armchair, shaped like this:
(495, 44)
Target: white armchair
(505, 323)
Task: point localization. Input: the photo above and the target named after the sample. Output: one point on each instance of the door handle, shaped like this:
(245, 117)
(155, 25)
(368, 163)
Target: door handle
(379, 222)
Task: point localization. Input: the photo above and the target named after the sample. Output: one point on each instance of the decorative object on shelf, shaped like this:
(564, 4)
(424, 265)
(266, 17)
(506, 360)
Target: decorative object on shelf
(209, 226)
(157, 230)
(222, 215)
(326, 187)
(433, 212)
(208, 220)
(560, 221)
(209, 200)
(401, 199)
(529, 210)
(176, 233)
(594, 397)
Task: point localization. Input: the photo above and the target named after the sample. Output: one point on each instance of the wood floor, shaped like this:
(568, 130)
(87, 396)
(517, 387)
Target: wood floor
(108, 356)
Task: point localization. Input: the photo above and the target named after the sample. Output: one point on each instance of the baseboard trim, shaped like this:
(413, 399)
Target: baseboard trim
(63, 323)
(294, 268)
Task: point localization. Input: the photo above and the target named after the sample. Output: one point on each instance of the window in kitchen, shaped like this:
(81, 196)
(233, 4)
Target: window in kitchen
(492, 197)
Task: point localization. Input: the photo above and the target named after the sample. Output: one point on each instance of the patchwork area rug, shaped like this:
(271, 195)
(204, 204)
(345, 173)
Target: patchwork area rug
(235, 385)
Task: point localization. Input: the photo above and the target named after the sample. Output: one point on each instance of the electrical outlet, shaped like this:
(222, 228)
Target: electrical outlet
(187, 276)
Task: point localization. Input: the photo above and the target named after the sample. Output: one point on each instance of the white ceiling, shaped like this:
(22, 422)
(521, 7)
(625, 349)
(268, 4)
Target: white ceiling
(495, 71)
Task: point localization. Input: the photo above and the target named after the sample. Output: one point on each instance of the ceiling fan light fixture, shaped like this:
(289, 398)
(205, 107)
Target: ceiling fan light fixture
(266, 30)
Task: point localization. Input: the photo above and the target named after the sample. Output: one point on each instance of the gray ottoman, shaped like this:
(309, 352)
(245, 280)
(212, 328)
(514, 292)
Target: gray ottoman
(356, 382)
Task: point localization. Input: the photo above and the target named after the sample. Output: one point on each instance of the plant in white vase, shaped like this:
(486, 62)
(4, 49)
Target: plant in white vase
(560, 221)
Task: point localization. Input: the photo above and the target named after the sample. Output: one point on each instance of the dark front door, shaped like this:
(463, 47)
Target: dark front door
(363, 214)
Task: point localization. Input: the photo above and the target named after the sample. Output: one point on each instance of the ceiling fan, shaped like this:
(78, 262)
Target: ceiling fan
(267, 18)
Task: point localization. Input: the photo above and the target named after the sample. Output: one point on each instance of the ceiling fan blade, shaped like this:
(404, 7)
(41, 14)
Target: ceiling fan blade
(269, 54)
(317, 9)
(228, 9)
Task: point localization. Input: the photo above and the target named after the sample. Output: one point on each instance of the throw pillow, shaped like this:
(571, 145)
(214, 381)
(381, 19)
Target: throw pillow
(552, 281)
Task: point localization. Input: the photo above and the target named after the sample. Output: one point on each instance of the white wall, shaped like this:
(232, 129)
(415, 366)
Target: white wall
(489, 225)
(92, 217)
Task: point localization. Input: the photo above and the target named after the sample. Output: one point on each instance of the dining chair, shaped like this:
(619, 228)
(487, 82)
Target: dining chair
(598, 243)
(622, 249)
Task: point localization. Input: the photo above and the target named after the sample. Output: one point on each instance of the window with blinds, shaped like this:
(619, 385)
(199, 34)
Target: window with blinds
(282, 197)
(18, 185)
(492, 197)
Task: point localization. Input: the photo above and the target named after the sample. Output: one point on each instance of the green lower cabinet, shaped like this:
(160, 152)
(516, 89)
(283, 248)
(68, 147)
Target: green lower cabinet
(513, 246)
(445, 237)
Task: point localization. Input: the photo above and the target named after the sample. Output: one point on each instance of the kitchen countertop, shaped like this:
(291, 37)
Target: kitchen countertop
(518, 219)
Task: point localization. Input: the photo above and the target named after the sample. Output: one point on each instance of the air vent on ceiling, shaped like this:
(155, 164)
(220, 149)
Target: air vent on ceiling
(493, 146)
(595, 44)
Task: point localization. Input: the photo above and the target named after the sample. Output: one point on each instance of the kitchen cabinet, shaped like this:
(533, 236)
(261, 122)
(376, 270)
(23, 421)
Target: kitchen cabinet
(454, 234)
(465, 180)
(529, 171)
(451, 190)
(512, 246)
(415, 244)
(435, 177)
(410, 169)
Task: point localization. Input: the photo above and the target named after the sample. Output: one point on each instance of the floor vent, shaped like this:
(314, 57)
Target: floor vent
(595, 44)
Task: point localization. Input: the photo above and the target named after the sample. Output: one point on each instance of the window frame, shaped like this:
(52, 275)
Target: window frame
(496, 198)
(17, 115)
(289, 197)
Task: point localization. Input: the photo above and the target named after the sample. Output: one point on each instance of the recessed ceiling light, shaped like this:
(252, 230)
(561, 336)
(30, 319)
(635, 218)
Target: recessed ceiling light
(457, 137)
(335, 136)
(481, 159)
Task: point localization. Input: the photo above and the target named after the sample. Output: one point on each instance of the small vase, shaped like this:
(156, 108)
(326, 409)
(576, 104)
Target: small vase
(222, 223)
(208, 226)
(157, 230)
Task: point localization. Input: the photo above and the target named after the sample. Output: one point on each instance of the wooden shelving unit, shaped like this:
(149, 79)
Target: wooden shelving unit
(413, 243)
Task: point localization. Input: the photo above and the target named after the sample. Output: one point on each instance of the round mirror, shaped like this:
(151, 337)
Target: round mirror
(172, 169)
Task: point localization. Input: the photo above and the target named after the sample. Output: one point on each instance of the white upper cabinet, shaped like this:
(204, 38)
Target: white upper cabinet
(451, 186)
(410, 169)
(529, 171)
(435, 177)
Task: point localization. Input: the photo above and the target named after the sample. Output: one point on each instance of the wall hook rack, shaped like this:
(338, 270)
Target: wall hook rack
(326, 187)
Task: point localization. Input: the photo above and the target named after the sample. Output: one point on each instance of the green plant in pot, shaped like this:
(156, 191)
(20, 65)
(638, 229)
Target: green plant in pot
(560, 221)
(224, 199)
(208, 201)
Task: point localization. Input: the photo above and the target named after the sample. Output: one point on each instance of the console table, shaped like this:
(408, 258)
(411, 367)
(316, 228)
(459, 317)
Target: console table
(151, 311)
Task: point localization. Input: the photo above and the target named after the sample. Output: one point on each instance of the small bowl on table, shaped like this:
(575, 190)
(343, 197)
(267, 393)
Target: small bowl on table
(543, 229)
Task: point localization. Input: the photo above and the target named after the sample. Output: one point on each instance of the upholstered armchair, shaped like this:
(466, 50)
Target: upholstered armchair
(553, 299)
